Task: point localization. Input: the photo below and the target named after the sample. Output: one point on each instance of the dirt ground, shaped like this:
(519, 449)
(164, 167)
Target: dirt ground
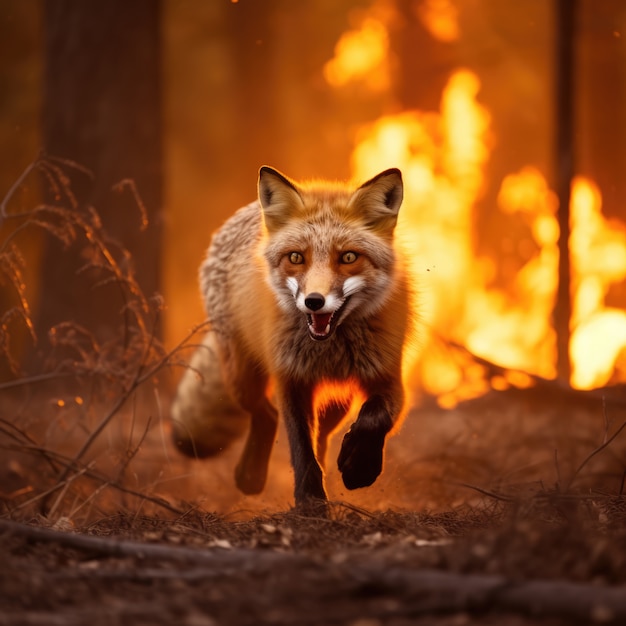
(353, 568)
(507, 510)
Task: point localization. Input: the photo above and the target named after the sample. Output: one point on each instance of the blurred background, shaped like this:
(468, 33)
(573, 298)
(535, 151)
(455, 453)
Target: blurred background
(188, 98)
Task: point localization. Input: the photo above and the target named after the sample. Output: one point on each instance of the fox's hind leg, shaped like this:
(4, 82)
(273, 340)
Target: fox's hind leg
(248, 386)
(218, 397)
(251, 471)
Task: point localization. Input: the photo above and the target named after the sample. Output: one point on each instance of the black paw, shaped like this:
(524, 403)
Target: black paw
(361, 457)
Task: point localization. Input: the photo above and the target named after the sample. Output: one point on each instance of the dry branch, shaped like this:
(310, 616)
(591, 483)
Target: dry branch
(58, 459)
(122, 548)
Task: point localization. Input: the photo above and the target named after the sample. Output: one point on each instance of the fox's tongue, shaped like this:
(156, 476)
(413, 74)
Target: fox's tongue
(320, 322)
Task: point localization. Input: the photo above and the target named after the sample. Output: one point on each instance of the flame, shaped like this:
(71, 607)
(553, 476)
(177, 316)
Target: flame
(362, 54)
(598, 251)
(443, 156)
(440, 17)
(498, 311)
(520, 335)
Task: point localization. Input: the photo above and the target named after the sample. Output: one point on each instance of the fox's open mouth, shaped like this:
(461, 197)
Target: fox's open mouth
(322, 325)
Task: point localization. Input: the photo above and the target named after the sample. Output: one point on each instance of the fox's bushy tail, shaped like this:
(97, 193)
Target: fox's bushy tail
(205, 419)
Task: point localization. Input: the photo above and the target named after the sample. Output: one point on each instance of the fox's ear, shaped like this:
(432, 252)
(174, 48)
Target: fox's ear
(379, 199)
(279, 198)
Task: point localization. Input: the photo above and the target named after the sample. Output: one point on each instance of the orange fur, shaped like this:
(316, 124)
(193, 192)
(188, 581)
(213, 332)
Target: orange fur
(303, 288)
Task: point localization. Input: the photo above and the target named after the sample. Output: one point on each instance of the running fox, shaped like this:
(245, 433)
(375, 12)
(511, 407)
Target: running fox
(302, 288)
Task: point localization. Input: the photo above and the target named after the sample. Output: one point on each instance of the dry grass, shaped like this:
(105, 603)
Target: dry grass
(72, 426)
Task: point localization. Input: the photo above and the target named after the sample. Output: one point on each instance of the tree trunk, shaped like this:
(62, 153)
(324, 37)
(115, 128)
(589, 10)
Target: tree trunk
(102, 110)
(564, 168)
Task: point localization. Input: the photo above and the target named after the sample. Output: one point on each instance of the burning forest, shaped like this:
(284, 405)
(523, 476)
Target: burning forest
(507, 121)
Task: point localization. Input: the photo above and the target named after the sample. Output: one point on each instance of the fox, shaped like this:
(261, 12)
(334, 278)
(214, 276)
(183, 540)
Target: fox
(304, 291)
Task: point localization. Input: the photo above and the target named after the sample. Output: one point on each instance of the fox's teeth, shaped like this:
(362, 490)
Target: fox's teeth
(315, 321)
(320, 333)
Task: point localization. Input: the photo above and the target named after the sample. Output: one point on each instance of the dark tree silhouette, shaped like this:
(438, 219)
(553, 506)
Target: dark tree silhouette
(102, 110)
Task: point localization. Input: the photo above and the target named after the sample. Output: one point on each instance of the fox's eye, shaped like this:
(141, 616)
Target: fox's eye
(349, 257)
(296, 258)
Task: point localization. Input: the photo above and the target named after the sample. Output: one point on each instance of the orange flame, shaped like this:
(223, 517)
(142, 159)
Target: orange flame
(361, 55)
(443, 155)
(440, 17)
(598, 251)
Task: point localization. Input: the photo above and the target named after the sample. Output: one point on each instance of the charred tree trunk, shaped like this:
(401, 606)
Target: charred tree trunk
(102, 110)
(565, 71)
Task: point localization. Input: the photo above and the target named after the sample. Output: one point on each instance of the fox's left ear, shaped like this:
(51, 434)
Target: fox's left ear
(379, 200)
(279, 198)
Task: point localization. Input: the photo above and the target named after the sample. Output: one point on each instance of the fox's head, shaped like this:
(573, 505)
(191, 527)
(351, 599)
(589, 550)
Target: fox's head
(330, 248)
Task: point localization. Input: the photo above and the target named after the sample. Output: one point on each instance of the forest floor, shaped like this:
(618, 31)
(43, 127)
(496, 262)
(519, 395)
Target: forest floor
(507, 510)
(353, 568)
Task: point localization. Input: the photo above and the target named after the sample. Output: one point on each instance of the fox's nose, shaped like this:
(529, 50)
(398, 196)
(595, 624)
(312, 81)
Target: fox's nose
(314, 301)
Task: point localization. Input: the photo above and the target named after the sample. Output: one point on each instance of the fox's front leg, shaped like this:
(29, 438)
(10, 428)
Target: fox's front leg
(361, 457)
(296, 407)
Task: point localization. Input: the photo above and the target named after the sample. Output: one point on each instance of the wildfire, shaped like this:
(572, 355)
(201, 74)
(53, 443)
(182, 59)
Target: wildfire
(440, 17)
(443, 155)
(361, 55)
(598, 250)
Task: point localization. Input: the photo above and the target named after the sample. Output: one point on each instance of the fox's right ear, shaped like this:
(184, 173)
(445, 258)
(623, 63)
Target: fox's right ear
(279, 198)
(379, 199)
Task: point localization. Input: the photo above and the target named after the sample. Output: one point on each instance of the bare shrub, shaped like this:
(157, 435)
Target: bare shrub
(61, 412)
